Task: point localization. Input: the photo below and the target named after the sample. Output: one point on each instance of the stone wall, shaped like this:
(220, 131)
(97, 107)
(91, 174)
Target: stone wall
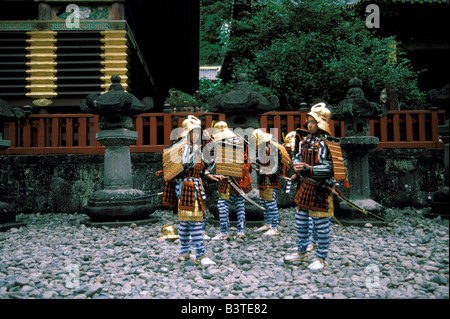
(63, 183)
(406, 177)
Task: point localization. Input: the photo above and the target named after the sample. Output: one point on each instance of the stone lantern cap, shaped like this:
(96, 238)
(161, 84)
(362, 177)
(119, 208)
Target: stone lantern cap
(355, 104)
(115, 107)
(9, 114)
(242, 99)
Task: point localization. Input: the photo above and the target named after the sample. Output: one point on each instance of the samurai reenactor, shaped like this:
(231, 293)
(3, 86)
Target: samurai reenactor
(289, 143)
(189, 169)
(314, 166)
(234, 171)
(270, 166)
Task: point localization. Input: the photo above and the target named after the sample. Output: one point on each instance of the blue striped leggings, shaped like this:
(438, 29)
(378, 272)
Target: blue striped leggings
(224, 204)
(270, 211)
(321, 226)
(194, 231)
(312, 232)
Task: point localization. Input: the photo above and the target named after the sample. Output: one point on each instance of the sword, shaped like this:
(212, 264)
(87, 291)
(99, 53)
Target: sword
(337, 221)
(149, 196)
(339, 194)
(241, 192)
(345, 199)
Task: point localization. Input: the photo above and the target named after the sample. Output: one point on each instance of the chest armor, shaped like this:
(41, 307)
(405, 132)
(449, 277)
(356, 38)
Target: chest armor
(196, 171)
(310, 153)
(316, 200)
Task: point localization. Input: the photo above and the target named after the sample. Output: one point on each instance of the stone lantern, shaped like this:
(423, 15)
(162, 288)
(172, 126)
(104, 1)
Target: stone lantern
(357, 111)
(9, 114)
(118, 201)
(242, 107)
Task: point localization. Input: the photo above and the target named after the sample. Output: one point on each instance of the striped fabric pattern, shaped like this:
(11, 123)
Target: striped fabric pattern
(191, 231)
(224, 205)
(271, 210)
(321, 226)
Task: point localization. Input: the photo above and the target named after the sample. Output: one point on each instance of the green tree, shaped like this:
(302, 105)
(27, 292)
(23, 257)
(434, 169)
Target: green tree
(214, 22)
(308, 50)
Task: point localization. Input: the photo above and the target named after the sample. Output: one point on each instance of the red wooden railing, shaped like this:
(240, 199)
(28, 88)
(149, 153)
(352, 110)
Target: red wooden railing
(409, 129)
(286, 122)
(399, 129)
(75, 133)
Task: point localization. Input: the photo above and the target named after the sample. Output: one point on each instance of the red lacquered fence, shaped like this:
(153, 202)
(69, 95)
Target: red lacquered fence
(75, 133)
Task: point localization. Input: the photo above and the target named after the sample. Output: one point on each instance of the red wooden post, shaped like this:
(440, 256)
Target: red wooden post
(302, 119)
(434, 126)
(277, 126)
(422, 133)
(41, 132)
(263, 121)
(82, 131)
(27, 133)
(12, 130)
(342, 128)
(167, 128)
(140, 129)
(409, 127)
(96, 129)
(208, 121)
(153, 130)
(372, 127)
(55, 131)
(332, 128)
(396, 126)
(69, 132)
(383, 129)
(290, 123)
(180, 120)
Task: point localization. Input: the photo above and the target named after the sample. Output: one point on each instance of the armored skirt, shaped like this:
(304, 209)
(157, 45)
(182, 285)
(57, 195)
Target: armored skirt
(313, 195)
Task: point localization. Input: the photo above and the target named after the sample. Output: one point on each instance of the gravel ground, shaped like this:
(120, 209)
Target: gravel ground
(57, 256)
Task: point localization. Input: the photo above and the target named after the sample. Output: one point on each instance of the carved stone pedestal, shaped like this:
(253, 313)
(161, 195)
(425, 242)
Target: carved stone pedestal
(118, 200)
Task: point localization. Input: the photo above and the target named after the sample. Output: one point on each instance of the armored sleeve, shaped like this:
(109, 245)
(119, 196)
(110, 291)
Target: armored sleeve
(297, 157)
(324, 168)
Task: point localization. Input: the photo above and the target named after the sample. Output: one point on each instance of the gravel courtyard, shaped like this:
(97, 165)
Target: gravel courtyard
(57, 256)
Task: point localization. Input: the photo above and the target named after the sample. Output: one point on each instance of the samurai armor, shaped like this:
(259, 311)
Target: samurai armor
(338, 160)
(245, 183)
(187, 198)
(266, 194)
(169, 197)
(194, 172)
(195, 215)
(189, 188)
(285, 157)
(328, 213)
(224, 189)
(316, 199)
(172, 164)
(265, 181)
(230, 158)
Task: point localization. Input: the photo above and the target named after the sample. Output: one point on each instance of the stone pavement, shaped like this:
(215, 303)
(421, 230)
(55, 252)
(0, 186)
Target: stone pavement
(57, 256)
